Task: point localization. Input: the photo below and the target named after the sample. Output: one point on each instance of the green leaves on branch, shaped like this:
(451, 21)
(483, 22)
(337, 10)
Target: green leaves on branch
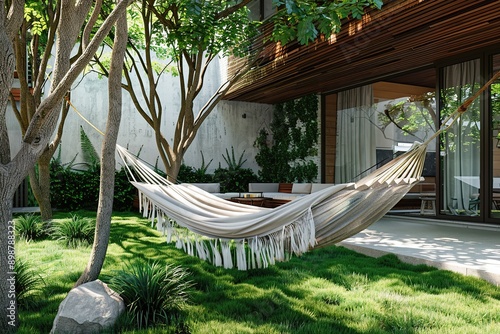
(186, 26)
(305, 20)
(35, 16)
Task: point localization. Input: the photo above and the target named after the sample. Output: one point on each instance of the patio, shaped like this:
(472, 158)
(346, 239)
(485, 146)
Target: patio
(466, 248)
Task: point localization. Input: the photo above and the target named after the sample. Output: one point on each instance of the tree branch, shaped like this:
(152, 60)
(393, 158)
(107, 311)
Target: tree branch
(231, 10)
(46, 108)
(91, 23)
(15, 17)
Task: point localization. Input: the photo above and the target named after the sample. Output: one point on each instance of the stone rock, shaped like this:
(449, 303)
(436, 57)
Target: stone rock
(88, 308)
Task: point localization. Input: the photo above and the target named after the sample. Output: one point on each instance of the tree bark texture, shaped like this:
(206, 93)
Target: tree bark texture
(8, 320)
(108, 164)
(40, 185)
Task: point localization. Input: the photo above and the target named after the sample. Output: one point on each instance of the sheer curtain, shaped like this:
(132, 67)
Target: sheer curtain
(461, 145)
(355, 147)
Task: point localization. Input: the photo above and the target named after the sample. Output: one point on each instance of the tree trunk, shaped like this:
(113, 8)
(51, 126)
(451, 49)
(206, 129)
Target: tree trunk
(8, 324)
(108, 164)
(175, 166)
(40, 184)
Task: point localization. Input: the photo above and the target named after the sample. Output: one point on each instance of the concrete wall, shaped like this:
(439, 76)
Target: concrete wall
(231, 124)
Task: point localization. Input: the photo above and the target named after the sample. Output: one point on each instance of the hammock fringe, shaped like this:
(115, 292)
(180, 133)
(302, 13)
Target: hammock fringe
(249, 253)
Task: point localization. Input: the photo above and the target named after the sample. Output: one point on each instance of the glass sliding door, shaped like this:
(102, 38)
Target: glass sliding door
(355, 151)
(460, 146)
(495, 145)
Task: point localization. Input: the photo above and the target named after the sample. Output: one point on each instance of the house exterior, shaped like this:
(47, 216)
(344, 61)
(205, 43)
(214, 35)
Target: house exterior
(413, 62)
(384, 81)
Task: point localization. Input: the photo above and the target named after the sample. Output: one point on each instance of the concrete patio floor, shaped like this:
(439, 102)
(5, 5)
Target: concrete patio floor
(466, 248)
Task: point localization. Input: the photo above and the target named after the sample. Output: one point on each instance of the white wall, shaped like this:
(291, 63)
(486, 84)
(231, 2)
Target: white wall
(224, 128)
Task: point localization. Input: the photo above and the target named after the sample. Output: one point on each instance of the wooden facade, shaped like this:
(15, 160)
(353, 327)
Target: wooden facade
(403, 37)
(400, 51)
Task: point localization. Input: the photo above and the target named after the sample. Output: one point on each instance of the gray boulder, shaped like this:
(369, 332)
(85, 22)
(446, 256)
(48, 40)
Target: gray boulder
(88, 308)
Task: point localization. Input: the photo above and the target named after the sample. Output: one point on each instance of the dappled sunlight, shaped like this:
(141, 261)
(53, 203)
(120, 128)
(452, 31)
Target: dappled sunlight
(464, 250)
(357, 26)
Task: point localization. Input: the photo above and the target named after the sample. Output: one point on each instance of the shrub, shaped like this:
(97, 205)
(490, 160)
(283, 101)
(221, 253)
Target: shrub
(76, 189)
(74, 232)
(27, 284)
(234, 178)
(153, 293)
(124, 192)
(73, 189)
(194, 175)
(30, 227)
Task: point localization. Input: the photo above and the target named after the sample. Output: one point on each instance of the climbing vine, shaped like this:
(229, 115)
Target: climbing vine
(285, 151)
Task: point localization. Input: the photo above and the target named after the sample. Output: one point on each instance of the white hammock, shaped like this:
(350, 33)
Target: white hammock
(261, 236)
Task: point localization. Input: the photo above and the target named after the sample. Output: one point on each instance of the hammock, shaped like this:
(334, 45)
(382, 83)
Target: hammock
(256, 236)
(262, 236)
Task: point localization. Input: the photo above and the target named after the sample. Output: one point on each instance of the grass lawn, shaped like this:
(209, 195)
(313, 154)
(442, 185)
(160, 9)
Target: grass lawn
(329, 290)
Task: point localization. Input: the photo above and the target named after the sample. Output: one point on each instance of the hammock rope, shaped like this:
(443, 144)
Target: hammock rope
(231, 234)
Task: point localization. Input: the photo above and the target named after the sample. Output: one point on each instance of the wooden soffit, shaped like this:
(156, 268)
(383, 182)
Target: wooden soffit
(403, 36)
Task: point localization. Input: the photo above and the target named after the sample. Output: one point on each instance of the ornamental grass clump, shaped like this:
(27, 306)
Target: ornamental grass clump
(75, 232)
(30, 227)
(153, 293)
(28, 284)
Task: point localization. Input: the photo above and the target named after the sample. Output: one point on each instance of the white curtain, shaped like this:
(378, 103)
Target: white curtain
(461, 145)
(355, 147)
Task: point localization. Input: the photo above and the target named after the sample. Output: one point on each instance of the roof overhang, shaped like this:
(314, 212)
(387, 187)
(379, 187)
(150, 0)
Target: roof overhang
(404, 36)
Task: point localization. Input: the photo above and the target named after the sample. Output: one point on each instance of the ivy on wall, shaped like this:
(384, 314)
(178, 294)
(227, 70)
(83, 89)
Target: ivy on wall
(285, 152)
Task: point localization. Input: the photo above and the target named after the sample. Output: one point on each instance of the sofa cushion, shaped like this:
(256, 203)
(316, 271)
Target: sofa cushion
(263, 187)
(301, 188)
(208, 187)
(320, 186)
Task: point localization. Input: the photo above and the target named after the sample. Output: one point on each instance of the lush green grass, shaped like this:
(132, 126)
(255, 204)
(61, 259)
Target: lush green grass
(329, 290)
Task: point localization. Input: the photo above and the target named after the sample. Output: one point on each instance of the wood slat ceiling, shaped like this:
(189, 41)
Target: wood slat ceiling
(404, 36)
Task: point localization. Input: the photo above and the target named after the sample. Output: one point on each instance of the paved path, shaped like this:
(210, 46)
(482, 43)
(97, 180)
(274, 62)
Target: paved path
(469, 249)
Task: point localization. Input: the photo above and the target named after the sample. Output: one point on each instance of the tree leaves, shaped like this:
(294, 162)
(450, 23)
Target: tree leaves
(304, 20)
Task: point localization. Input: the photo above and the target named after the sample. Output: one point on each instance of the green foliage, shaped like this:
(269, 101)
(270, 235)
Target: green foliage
(28, 284)
(75, 189)
(414, 115)
(195, 26)
(153, 293)
(90, 156)
(305, 20)
(74, 232)
(124, 193)
(295, 134)
(232, 163)
(30, 227)
(34, 13)
(234, 178)
(468, 126)
(194, 175)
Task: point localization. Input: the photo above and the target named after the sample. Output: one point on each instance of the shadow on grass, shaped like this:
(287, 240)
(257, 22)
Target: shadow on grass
(319, 292)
